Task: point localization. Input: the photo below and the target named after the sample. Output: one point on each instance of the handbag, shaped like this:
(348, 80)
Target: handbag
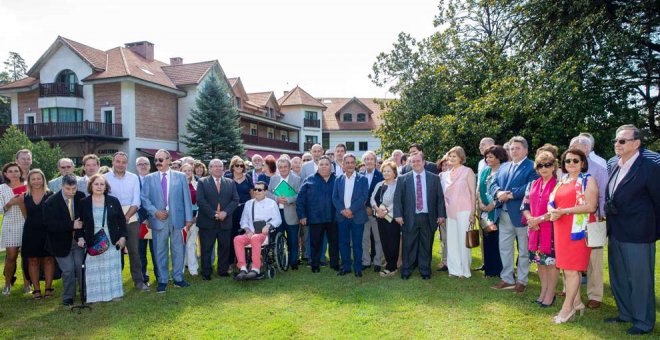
(596, 234)
(472, 237)
(100, 241)
(258, 225)
(486, 224)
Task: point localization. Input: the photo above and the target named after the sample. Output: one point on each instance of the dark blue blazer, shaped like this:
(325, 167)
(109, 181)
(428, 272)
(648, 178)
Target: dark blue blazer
(358, 199)
(524, 174)
(314, 201)
(378, 177)
(637, 201)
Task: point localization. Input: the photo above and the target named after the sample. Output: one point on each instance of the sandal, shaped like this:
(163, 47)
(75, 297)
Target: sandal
(49, 292)
(36, 294)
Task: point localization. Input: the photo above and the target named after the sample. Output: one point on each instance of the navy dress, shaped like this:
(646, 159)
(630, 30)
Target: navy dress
(34, 231)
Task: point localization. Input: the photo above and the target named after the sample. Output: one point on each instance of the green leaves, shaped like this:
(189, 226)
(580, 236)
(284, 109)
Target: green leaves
(44, 156)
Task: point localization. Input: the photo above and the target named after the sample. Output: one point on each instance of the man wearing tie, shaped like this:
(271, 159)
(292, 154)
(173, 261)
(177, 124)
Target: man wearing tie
(509, 189)
(373, 177)
(217, 199)
(65, 235)
(349, 198)
(419, 208)
(166, 197)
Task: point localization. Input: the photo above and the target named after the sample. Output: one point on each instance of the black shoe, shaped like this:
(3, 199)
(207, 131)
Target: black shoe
(405, 277)
(343, 272)
(365, 267)
(358, 274)
(67, 303)
(426, 277)
(316, 270)
(636, 331)
(206, 277)
(377, 269)
(294, 267)
(443, 269)
(479, 268)
(614, 320)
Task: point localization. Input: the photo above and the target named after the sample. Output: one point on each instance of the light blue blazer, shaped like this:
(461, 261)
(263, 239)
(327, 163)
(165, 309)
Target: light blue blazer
(180, 204)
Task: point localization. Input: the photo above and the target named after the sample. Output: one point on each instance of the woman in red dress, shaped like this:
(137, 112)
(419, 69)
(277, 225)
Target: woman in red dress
(572, 205)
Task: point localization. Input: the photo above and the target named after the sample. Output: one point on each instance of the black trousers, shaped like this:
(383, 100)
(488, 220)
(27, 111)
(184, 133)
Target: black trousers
(316, 233)
(417, 245)
(390, 236)
(207, 239)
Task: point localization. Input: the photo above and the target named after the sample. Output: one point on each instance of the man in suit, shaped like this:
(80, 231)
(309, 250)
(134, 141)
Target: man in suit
(143, 167)
(349, 198)
(416, 148)
(310, 168)
(287, 207)
(258, 167)
(217, 199)
(166, 197)
(65, 166)
(419, 208)
(64, 234)
(374, 176)
(633, 223)
(509, 189)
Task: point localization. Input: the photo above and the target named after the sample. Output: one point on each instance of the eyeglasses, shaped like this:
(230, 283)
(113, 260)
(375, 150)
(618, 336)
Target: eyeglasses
(545, 165)
(571, 160)
(259, 190)
(143, 164)
(66, 167)
(160, 160)
(622, 141)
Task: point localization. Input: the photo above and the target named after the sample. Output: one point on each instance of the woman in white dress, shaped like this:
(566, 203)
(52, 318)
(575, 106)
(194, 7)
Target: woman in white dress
(11, 200)
(101, 211)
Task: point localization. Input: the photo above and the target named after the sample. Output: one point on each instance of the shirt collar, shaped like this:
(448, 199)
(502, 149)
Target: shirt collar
(630, 161)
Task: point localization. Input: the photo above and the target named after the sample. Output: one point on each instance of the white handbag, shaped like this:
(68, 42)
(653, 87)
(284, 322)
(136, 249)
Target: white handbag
(596, 234)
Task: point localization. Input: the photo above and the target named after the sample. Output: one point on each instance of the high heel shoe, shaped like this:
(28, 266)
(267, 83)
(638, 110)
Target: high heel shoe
(570, 317)
(543, 305)
(579, 308)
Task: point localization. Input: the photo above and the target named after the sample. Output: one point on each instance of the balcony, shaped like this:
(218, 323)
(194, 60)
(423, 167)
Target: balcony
(60, 90)
(70, 131)
(268, 142)
(316, 123)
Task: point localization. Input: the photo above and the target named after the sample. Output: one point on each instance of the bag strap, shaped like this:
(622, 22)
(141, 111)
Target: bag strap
(105, 209)
(253, 211)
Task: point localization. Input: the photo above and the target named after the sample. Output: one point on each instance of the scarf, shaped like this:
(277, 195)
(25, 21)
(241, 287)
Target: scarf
(540, 239)
(580, 221)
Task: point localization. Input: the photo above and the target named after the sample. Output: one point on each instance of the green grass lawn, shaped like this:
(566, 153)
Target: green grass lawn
(305, 305)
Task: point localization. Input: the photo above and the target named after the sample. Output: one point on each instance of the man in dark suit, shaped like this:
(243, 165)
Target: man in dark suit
(509, 188)
(633, 223)
(349, 198)
(419, 208)
(374, 176)
(64, 236)
(416, 148)
(217, 199)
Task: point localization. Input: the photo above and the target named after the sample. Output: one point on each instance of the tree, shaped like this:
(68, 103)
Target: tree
(213, 125)
(15, 67)
(44, 156)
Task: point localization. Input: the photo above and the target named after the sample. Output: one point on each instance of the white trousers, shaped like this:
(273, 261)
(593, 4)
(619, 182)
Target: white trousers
(191, 250)
(459, 257)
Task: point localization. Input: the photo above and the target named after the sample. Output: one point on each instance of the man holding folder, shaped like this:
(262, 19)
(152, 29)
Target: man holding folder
(284, 189)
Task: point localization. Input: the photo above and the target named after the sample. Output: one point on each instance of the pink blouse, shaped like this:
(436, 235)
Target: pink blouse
(458, 196)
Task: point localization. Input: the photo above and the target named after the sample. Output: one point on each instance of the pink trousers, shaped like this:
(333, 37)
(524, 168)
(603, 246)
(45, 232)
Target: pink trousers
(241, 241)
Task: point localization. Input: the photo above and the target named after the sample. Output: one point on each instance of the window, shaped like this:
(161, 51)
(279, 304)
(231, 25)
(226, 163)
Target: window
(61, 114)
(311, 115)
(270, 132)
(325, 140)
(238, 102)
(271, 112)
(347, 117)
(68, 78)
(363, 146)
(361, 117)
(29, 118)
(108, 115)
(253, 129)
(350, 146)
(312, 139)
(284, 136)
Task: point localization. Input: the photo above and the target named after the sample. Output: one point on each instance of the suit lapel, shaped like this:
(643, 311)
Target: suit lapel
(631, 173)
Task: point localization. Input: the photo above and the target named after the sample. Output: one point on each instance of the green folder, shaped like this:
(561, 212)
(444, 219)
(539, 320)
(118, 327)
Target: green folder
(284, 190)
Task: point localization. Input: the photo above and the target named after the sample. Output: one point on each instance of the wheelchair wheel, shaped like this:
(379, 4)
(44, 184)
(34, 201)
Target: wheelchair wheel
(270, 272)
(281, 252)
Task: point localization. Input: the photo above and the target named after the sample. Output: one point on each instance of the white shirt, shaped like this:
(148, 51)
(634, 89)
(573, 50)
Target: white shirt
(369, 176)
(597, 159)
(480, 167)
(422, 177)
(623, 171)
(338, 169)
(125, 188)
(349, 184)
(264, 210)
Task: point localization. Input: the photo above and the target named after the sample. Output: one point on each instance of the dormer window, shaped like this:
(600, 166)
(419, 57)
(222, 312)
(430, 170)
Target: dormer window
(361, 117)
(347, 117)
(238, 102)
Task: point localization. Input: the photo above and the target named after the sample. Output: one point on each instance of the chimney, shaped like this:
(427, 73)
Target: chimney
(143, 48)
(176, 61)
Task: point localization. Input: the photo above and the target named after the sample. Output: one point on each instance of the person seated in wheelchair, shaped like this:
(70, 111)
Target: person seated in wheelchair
(261, 214)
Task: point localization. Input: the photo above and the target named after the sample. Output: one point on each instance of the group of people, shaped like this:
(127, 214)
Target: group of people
(382, 213)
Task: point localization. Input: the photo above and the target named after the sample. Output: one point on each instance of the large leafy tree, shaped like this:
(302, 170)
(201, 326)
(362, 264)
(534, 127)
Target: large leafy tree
(213, 125)
(44, 156)
(15, 66)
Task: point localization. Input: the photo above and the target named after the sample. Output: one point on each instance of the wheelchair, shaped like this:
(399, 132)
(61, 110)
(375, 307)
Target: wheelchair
(274, 254)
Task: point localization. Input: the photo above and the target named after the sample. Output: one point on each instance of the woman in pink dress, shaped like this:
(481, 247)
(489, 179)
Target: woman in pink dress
(572, 205)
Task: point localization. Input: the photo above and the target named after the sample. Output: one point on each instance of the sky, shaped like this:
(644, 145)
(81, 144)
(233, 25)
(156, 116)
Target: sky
(327, 47)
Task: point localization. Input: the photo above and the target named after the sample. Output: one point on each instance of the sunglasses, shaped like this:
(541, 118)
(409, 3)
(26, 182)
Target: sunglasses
(622, 141)
(571, 160)
(160, 160)
(545, 165)
(239, 165)
(259, 190)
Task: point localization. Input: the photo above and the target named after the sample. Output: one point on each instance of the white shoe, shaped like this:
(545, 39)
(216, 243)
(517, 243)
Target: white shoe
(6, 290)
